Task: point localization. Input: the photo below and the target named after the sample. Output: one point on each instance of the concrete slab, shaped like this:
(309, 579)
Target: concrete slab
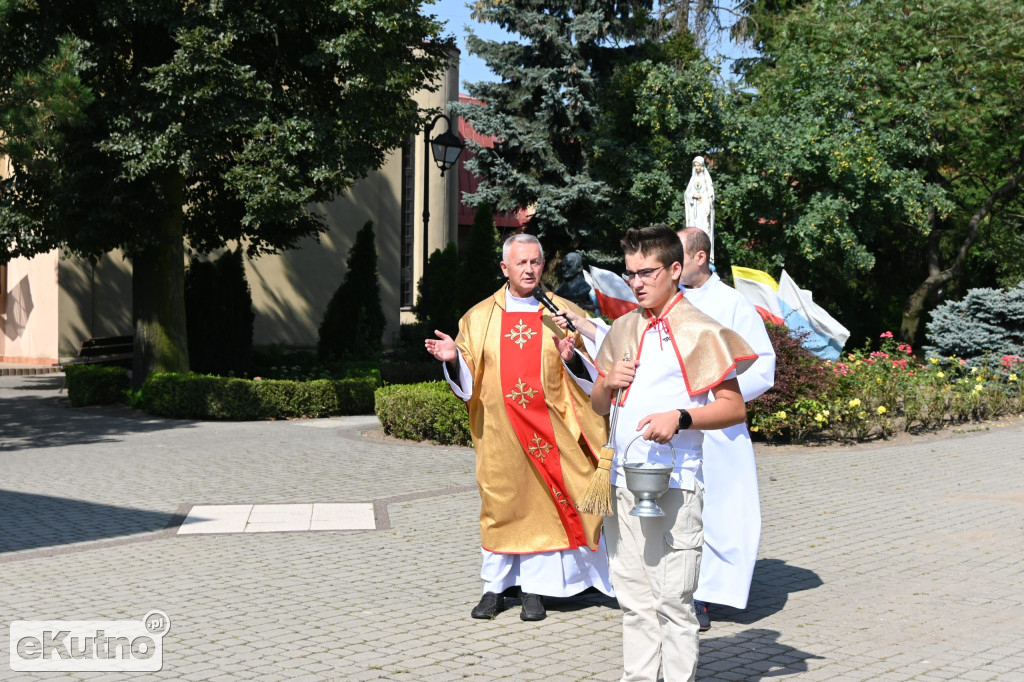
(220, 518)
(334, 516)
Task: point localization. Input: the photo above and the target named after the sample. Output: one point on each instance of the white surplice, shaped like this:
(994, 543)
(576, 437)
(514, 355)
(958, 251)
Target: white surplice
(732, 509)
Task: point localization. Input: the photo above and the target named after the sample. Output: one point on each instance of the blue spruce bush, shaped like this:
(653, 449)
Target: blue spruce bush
(981, 328)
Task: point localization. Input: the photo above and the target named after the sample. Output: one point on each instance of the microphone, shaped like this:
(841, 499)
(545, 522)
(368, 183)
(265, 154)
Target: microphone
(539, 294)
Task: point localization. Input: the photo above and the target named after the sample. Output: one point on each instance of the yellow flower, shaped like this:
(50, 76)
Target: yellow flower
(781, 414)
(977, 388)
(881, 409)
(755, 429)
(934, 361)
(1012, 377)
(855, 402)
(940, 374)
(819, 417)
(878, 380)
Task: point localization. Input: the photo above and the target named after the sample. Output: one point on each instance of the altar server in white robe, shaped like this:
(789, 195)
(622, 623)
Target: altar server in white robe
(732, 510)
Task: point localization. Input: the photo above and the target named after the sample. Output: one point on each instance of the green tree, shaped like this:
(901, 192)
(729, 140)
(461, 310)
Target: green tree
(481, 272)
(656, 116)
(441, 293)
(141, 124)
(883, 143)
(353, 322)
(218, 307)
(543, 110)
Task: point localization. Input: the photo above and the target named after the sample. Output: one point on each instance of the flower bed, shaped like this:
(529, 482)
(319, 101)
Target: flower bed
(878, 393)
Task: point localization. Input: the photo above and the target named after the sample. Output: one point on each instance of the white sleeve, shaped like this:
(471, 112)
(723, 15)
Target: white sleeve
(586, 385)
(760, 376)
(600, 331)
(464, 388)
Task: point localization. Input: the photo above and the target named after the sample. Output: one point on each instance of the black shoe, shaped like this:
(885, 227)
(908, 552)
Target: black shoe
(703, 619)
(490, 605)
(533, 607)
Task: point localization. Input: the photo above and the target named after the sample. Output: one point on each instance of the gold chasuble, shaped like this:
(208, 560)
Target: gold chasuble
(706, 350)
(535, 434)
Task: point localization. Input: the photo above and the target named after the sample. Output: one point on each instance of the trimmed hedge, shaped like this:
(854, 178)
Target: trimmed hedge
(196, 396)
(97, 384)
(426, 411)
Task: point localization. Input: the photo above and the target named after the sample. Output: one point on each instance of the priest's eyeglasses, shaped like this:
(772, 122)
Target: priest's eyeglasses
(647, 275)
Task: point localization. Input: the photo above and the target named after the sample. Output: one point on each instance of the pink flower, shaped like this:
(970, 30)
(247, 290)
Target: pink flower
(886, 335)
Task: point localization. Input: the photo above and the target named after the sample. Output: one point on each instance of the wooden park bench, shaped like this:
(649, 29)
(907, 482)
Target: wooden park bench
(107, 350)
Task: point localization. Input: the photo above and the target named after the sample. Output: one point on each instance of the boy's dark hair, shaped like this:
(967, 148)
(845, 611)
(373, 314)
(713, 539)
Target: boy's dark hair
(659, 241)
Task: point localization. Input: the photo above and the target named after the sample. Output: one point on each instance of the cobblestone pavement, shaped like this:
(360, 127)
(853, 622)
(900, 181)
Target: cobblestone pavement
(891, 562)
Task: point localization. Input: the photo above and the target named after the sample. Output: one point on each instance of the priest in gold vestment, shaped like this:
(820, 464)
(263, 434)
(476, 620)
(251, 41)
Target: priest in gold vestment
(526, 383)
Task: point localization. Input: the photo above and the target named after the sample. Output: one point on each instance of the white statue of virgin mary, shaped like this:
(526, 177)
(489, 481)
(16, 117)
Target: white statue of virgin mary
(700, 201)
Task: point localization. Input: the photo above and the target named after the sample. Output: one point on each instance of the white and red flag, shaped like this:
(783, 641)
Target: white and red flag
(614, 296)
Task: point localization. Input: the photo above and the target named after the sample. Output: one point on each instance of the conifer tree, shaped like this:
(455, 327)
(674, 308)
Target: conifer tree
(354, 322)
(543, 109)
(481, 272)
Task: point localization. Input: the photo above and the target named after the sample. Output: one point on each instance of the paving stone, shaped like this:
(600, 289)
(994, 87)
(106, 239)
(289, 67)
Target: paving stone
(863, 552)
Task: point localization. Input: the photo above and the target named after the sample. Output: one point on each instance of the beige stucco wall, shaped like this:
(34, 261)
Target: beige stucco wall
(95, 300)
(290, 290)
(29, 317)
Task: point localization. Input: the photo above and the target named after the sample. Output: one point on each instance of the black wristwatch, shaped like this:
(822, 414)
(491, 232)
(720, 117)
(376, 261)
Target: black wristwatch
(684, 420)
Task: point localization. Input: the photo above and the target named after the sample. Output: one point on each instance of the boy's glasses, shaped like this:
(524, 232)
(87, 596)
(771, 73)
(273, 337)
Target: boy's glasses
(647, 275)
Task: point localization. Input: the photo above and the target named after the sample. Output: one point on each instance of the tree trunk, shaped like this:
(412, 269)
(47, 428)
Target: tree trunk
(158, 294)
(914, 310)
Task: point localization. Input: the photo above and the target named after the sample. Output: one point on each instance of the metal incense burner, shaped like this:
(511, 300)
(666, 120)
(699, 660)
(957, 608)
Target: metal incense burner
(647, 481)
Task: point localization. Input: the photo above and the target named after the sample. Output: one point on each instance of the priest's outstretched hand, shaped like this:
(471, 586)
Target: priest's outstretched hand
(443, 347)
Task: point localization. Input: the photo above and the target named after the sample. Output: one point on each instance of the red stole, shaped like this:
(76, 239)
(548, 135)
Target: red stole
(522, 344)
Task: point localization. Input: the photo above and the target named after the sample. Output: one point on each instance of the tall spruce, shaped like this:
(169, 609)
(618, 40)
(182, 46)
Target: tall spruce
(543, 110)
(353, 322)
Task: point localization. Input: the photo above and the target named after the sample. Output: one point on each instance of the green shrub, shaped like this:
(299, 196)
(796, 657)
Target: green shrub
(96, 384)
(195, 396)
(983, 328)
(219, 316)
(353, 322)
(410, 372)
(787, 411)
(427, 411)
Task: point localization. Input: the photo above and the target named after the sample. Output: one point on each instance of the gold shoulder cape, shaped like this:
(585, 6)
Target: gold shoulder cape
(706, 350)
(517, 509)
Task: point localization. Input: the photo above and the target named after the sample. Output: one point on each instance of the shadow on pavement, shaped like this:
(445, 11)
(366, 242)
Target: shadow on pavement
(754, 654)
(33, 415)
(29, 521)
(38, 382)
(770, 588)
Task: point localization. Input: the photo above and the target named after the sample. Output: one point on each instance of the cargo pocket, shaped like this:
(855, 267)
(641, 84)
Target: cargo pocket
(688, 530)
(683, 549)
